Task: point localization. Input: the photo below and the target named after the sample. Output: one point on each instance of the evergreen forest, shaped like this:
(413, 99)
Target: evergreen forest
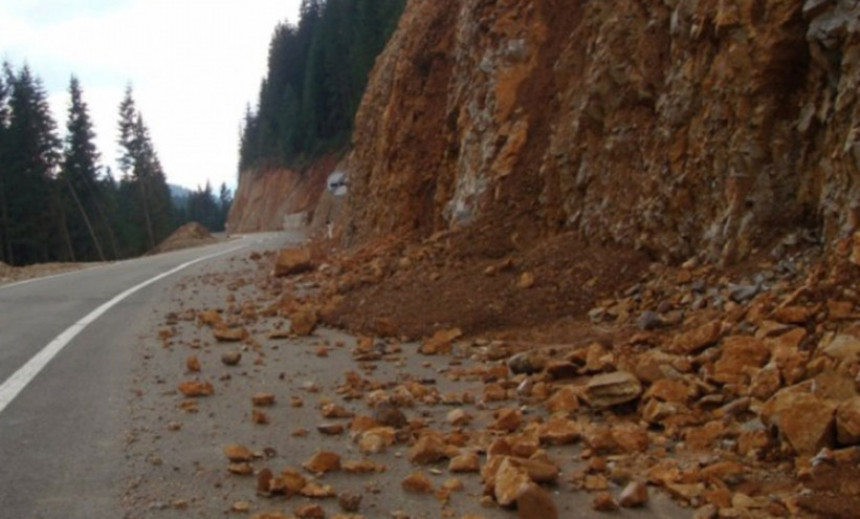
(58, 203)
(317, 73)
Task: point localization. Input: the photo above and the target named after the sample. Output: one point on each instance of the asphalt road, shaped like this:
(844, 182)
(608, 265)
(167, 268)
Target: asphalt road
(62, 435)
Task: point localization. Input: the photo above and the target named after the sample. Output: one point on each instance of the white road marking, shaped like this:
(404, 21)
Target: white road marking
(26, 373)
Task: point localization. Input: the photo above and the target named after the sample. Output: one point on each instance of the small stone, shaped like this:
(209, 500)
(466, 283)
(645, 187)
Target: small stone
(259, 417)
(349, 502)
(315, 490)
(263, 399)
(292, 261)
(290, 482)
(565, 400)
(603, 502)
(458, 417)
(322, 462)
(535, 502)
(843, 348)
(389, 415)
(508, 420)
(741, 293)
(241, 469)
(468, 462)
(238, 453)
(697, 339)
(241, 507)
(848, 422)
(336, 411)
(224, 334)
(526, 281)
(649, 320)
(634, 495)
(231, 358)
(311, 511)
(196, 388)
(331, 429)
(510, 482)
(612, 389)
(804, 420)
(740, 352)
(441, 342)
(430, 449)
(561, 370)
(361, 467)
(559, 431)
(527, 362)
(376, 440)
(303, 322)
(417, 482)
(192, 364)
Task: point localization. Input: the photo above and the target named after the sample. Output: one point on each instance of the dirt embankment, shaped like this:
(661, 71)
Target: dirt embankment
(263, 198)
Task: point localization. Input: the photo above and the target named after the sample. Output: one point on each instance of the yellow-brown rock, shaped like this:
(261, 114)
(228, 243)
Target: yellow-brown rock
(323, 462)
(417, 482)
(848, 422)
(292, 261)
(534, 502)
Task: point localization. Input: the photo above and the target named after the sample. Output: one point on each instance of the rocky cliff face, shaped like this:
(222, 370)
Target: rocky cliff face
(679, 127)
(264, 198)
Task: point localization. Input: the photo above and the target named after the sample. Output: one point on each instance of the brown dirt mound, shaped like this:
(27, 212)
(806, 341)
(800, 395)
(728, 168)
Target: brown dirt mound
(189, 235)
(392, 288)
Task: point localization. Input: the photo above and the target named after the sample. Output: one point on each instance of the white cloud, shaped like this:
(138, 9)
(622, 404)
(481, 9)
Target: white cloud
(194, 65)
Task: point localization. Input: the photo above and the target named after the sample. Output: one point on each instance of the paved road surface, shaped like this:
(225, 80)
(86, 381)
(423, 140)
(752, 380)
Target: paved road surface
(61, 437)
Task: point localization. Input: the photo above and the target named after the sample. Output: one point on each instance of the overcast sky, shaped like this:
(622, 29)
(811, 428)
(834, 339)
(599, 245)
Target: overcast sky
(193, 64)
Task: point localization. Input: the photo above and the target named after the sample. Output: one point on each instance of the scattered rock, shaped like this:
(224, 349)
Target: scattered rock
(196, 388)
(510, 482)
(349, 502)
(224, 334)
(535, 502)
(468, 462)
(527, 362)
(192, 364)
(430, 449)
(603, 502)
(612, 389)
(322, 462)
(263, 399)
(292, 261)
(634, 495)
(238, 453)
(231, 358)
(303, 322)
(417, 482)
(848, 422)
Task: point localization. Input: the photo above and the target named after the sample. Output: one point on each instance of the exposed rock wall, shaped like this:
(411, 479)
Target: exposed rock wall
(680, 127)
(264, 198)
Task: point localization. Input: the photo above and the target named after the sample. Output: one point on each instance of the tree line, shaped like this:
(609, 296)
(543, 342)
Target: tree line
(317, 73)
(57, 203)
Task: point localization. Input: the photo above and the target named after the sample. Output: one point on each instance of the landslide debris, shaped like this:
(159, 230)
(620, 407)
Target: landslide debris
(737, 396)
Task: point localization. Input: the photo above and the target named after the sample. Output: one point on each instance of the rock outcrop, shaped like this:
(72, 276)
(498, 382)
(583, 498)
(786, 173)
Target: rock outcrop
(681, 128)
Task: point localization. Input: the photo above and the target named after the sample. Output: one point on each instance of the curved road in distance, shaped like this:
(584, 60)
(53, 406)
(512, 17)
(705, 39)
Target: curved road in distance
(62, 431)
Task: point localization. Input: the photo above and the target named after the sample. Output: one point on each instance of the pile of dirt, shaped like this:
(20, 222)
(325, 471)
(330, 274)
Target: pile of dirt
(189, 235)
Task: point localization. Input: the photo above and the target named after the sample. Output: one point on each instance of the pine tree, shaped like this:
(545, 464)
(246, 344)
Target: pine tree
(79, 174)
(142, 172)
(30, 161)
(4, 125)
